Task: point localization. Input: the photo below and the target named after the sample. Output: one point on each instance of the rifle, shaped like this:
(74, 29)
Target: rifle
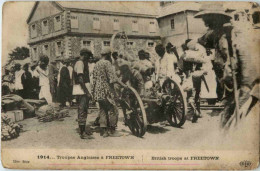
(230, 55)
(205, 82)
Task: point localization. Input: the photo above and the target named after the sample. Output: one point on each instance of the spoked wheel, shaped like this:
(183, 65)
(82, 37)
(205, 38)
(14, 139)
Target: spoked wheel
(134, 112)
(176, 105)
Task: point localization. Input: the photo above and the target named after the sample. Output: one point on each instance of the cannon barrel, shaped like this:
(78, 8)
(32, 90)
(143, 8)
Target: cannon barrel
(159, 100)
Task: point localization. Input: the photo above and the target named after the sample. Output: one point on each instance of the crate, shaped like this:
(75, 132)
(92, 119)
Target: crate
(14, 115)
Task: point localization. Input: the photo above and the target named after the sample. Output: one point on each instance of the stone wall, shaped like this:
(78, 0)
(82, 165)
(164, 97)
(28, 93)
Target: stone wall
(119, 45)
(50, 21)
(52, 48)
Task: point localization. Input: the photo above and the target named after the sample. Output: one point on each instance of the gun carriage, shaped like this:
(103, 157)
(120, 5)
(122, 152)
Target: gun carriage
(162, 103)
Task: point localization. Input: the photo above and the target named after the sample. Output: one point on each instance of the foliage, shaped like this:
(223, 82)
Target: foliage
(19, 53)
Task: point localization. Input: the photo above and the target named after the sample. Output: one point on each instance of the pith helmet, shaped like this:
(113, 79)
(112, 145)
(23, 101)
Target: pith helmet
(212, 9)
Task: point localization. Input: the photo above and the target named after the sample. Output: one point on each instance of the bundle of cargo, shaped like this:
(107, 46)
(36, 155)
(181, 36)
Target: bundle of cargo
(48, 113)
(14, 102)
(10, 129)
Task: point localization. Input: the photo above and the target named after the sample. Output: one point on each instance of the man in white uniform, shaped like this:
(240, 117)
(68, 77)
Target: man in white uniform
(164, 66)
(18, 80)
(81, 89)
(43, 71)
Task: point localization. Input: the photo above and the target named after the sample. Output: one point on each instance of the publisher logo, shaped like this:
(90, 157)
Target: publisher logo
(245, 164)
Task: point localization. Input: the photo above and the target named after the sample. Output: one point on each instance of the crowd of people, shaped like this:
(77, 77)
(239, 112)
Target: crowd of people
(86, 79)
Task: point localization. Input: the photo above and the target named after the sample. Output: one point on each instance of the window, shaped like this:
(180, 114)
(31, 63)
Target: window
(236, 17)
(256, 17)
(46, 49)
(130, 44)
(74, 21)
(57, 23)
(150, 44)
(134, 26)
(116, 25)
(58, 48)
(33, 31)
(86, 43)
(96, 23)
(34, 53)
(152, 28)
(172, 24)
(106, 43)
(45, 28)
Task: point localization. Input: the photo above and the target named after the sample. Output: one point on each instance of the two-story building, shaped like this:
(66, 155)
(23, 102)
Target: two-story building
(63, 28)
(177, 22)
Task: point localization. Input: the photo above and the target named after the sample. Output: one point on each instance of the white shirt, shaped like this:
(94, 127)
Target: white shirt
(164, 67)
(70, 71)
(79, 67)
(43, 76)
(58, 78)
(18, 80)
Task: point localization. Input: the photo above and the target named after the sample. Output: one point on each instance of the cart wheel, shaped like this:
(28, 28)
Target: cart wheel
(134, 112)
(176, 107)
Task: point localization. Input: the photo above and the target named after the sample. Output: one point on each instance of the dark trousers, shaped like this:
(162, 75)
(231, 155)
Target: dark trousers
(108, 114)
(83, 109)
(19, 92)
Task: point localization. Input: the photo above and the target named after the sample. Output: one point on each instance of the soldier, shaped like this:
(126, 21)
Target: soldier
(53, 72)
(81, 89)
(43, 71)
(27, 82)
(134, 78)
(18, 80)
(233, 62)
(104, 79)
(63, 83)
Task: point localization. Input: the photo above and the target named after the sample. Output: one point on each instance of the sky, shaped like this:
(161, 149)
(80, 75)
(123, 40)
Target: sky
(14, 26)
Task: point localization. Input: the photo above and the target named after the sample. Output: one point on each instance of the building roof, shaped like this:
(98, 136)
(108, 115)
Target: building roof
(177, 7)
(123, 7)
(133, 8)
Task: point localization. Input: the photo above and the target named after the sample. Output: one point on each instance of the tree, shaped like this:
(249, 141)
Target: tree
(19, 53)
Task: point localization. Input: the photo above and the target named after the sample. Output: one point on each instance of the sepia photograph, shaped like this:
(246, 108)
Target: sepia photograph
(130, 85)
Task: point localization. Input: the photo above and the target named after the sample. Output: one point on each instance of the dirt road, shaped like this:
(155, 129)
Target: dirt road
(63, 134)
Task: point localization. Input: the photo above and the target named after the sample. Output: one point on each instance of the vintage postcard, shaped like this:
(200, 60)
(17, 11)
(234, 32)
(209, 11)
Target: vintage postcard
(151, 85)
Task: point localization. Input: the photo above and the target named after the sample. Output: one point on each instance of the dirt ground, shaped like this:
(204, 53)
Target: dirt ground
(63, 134)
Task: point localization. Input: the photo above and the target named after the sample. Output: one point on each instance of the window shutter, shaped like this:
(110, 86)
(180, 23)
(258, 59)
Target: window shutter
(134, 26)
(74, 21)
(96, 24)
(57, 23)
(152, 27)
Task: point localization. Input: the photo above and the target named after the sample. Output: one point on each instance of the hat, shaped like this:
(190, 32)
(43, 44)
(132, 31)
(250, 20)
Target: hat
(211, 9)
(105, 51)
(58, 59)
(67, 60)
(85, 51)
(169, 45)
(141, 52)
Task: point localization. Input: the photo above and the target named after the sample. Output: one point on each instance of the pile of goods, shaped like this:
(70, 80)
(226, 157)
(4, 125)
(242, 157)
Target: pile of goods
(10, 129)
(48, 113)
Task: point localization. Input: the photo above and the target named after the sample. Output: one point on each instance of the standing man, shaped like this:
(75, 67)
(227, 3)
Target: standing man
(27, 82)
(164, 66)
(18, 80)
(35, 80)
(53, 71)
(104, 78)
(70, 68)
(44, 83)
(81, 89)
(63, 83)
